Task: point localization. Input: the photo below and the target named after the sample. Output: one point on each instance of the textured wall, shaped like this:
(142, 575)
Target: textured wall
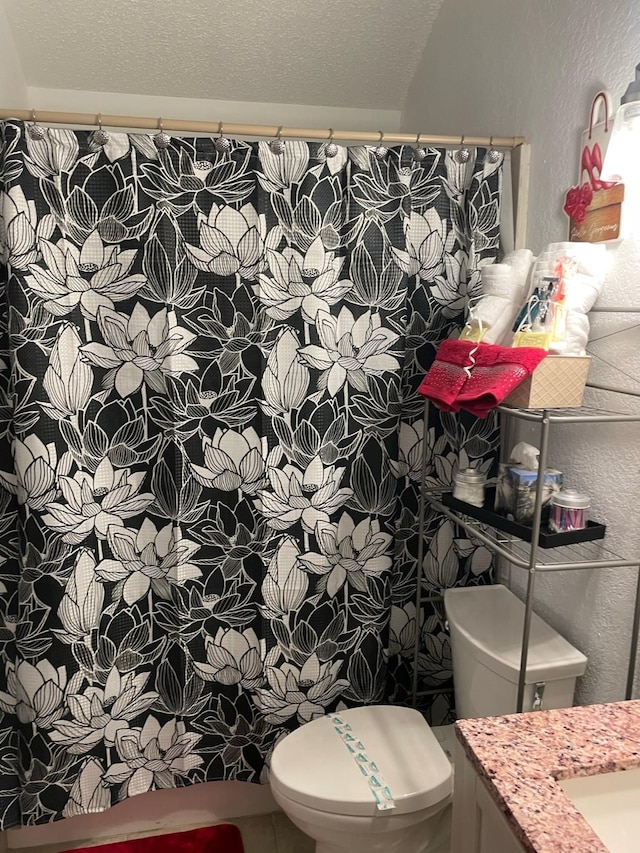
(531, 67)
(528, 67)
(199, 109)
(349, 54)
(13, 88)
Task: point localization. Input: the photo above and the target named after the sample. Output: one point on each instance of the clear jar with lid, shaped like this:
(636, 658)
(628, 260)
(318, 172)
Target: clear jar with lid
(468, 486)
(568, 511)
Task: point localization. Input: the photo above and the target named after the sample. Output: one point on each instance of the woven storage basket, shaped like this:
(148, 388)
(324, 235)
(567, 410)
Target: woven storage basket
(557, 382)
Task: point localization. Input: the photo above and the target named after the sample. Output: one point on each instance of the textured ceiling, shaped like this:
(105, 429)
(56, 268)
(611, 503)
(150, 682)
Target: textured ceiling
(344, 53)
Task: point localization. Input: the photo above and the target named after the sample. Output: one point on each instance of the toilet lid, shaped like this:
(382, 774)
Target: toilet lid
(313, 766)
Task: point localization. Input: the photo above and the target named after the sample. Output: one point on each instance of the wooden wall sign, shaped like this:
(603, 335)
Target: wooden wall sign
(594, 207)
(602, 217)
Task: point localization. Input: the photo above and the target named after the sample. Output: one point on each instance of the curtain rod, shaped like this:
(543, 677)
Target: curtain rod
(210, 128)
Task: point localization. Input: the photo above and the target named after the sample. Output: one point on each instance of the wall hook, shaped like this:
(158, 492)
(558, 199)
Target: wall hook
(34, 130)
(493, 155)
(222, 144)
(463, 155)
(161, 139)
(381, 150)
(419, 152)
(330, 148)
(277, 145)
(100, 136)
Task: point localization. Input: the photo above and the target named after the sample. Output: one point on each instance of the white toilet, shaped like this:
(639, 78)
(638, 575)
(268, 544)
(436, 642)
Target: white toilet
(318, 782)
(485, 624)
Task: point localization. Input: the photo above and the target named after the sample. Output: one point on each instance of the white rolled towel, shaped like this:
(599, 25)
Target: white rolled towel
(577, 335)
(581, 292)
(493, 312)
(521, 262)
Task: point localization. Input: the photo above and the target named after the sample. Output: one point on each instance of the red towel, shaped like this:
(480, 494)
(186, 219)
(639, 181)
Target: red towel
(223, 838)
(477, 377)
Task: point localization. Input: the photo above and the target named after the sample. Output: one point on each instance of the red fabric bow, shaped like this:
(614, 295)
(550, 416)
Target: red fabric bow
(577, 201)
(477, 377)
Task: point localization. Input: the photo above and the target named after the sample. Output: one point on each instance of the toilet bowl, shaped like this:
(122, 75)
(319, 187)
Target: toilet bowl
(485, 624)
(319, 784)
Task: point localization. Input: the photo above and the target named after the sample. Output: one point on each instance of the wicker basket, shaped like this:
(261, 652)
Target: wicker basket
(557, 382)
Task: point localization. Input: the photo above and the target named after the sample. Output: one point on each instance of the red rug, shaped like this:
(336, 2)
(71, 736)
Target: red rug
(223, 838)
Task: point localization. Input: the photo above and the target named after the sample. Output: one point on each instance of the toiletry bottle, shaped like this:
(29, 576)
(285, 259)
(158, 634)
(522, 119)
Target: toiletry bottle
(469, 486)
(559, 333)
(534, 329)
(568, 511)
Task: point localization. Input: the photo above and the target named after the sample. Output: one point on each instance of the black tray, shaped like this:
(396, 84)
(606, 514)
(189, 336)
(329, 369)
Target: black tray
(546, 539)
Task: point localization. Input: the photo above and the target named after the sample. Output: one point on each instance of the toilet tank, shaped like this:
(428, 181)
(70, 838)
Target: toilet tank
(486, 625)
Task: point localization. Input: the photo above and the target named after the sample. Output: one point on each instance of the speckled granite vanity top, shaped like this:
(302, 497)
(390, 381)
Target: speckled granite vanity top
(521, 756)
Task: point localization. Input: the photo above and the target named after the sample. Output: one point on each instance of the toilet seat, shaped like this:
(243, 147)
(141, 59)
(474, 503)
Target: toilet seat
(313, 767)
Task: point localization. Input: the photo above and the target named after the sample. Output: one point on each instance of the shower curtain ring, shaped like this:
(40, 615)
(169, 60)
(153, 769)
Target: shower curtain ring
(161, 139)
(222, 144)
(419, 153)
(493, 155)
(380, 150)
(463, 155)
(34, 130)
(330, 148)
(277, 145)
(100, 136)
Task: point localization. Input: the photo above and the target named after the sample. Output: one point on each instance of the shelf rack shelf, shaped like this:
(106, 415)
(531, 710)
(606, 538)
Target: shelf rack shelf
(578, 415)
(528, 555)
(583, 555)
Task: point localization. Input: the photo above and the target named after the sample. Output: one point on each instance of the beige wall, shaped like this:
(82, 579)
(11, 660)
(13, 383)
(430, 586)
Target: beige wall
(13, 88)
(525, 67)
(292, 115)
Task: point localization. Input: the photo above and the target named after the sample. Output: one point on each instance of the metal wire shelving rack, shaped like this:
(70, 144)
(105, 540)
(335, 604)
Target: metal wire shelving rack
(529, 555)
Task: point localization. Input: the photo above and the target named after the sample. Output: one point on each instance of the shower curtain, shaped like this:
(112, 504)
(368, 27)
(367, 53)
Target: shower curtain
(211, 449)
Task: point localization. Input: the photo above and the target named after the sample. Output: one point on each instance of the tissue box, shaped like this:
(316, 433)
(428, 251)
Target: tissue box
(558, 381)
(516, 491)
(503, 502)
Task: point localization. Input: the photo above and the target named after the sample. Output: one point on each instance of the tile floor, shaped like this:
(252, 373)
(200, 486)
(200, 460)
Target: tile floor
(272, 833)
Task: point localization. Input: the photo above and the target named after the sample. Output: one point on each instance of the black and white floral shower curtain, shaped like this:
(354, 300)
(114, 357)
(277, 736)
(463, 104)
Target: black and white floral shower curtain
(211, 449)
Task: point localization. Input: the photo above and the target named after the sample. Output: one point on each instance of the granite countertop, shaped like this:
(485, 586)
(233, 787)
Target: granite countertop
(521, 756)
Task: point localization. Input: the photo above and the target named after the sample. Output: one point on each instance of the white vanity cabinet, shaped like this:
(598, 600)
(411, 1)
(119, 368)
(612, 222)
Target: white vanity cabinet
(478, 825)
